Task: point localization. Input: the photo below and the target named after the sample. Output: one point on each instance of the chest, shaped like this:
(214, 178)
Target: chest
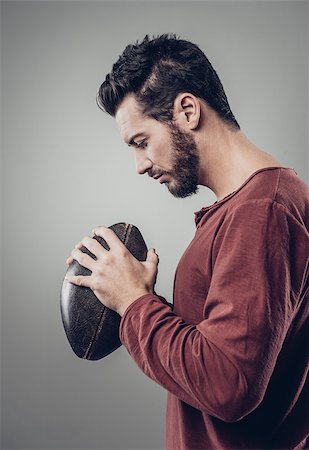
(193, 274)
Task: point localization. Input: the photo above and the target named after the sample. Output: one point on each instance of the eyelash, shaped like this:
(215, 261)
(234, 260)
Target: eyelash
(142, 144)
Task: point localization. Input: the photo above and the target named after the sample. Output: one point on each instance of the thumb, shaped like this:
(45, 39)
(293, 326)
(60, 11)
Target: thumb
(152, 256)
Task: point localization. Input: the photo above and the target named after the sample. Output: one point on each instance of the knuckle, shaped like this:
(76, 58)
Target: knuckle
(94, 283)
(78, 255)
(82, 258)
(108, 260)
(78, 281)
(109, 232)
(124, 253)
(84, 242)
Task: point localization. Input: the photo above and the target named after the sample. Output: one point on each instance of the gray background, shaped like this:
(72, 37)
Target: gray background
(65, 170)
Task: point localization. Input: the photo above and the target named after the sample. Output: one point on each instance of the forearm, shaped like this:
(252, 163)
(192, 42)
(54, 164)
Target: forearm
(179, 358)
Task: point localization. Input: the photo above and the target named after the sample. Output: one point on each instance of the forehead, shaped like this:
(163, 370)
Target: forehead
(130, 120)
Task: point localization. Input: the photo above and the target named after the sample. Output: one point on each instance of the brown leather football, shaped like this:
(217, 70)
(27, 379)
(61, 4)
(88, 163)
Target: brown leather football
(92, 329)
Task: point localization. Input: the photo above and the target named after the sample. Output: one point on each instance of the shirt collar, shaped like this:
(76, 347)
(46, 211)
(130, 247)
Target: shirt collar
(199, 214)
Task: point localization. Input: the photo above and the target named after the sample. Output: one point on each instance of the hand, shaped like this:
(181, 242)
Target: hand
(117, 277)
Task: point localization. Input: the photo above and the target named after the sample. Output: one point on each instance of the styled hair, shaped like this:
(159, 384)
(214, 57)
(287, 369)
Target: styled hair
(156, 70)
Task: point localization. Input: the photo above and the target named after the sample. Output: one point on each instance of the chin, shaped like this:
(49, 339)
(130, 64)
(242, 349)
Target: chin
(180, 190)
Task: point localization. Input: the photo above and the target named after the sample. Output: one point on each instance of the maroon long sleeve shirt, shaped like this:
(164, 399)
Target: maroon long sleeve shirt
(233, 351)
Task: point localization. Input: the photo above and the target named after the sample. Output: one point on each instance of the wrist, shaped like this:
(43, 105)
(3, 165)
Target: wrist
(125, 304)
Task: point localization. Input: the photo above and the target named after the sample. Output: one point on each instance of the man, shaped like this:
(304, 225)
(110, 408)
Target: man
(232, 352)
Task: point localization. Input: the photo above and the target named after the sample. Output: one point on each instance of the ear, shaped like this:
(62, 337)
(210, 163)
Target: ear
(187, 111)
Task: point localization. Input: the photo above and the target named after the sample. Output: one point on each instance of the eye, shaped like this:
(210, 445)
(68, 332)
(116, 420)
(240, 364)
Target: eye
(142, 144)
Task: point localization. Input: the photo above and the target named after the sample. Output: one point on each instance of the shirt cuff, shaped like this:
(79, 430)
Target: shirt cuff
(133, 308)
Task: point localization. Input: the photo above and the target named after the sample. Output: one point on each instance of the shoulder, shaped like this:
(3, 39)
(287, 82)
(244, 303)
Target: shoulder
(292, 194)
(279, 192)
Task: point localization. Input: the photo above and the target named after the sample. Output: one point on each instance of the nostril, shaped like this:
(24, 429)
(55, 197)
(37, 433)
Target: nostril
(140, 170)
(143, 166)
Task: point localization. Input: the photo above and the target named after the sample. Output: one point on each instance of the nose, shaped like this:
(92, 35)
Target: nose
(143, 164)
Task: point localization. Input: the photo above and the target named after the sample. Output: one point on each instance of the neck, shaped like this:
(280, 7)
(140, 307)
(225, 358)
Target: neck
(228, 158)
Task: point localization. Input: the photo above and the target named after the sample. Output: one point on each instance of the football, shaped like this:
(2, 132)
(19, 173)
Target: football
(91, 328)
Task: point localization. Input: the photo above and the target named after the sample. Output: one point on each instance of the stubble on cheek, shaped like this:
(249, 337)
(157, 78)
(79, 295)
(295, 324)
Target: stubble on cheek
(185, 165)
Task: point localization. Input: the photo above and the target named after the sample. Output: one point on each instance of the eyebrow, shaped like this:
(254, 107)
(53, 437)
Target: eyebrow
(131, 142)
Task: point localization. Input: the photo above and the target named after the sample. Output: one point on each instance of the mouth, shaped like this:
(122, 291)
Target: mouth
(157, 176)
(161, 177)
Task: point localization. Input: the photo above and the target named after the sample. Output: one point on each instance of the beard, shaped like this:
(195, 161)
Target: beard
(185, 163)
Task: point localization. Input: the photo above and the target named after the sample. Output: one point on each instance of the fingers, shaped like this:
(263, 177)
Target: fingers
(91, 244)
(79, 280)
(152, 256)
(83, 259)
(69, 260)
(96, 248)
(109, 236)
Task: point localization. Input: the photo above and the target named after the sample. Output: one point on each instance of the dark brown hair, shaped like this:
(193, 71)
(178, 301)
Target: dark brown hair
(156, 70)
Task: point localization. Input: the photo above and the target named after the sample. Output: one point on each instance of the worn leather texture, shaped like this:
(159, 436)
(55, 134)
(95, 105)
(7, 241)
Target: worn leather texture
(92, 329)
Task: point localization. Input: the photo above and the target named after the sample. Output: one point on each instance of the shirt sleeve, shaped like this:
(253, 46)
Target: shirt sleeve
(223, 364)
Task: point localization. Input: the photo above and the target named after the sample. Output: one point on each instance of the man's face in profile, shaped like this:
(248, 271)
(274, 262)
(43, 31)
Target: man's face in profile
(162, 150)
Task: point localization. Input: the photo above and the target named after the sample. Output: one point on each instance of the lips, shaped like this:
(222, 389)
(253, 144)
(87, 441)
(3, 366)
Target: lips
(155, 177)
(161, 177)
